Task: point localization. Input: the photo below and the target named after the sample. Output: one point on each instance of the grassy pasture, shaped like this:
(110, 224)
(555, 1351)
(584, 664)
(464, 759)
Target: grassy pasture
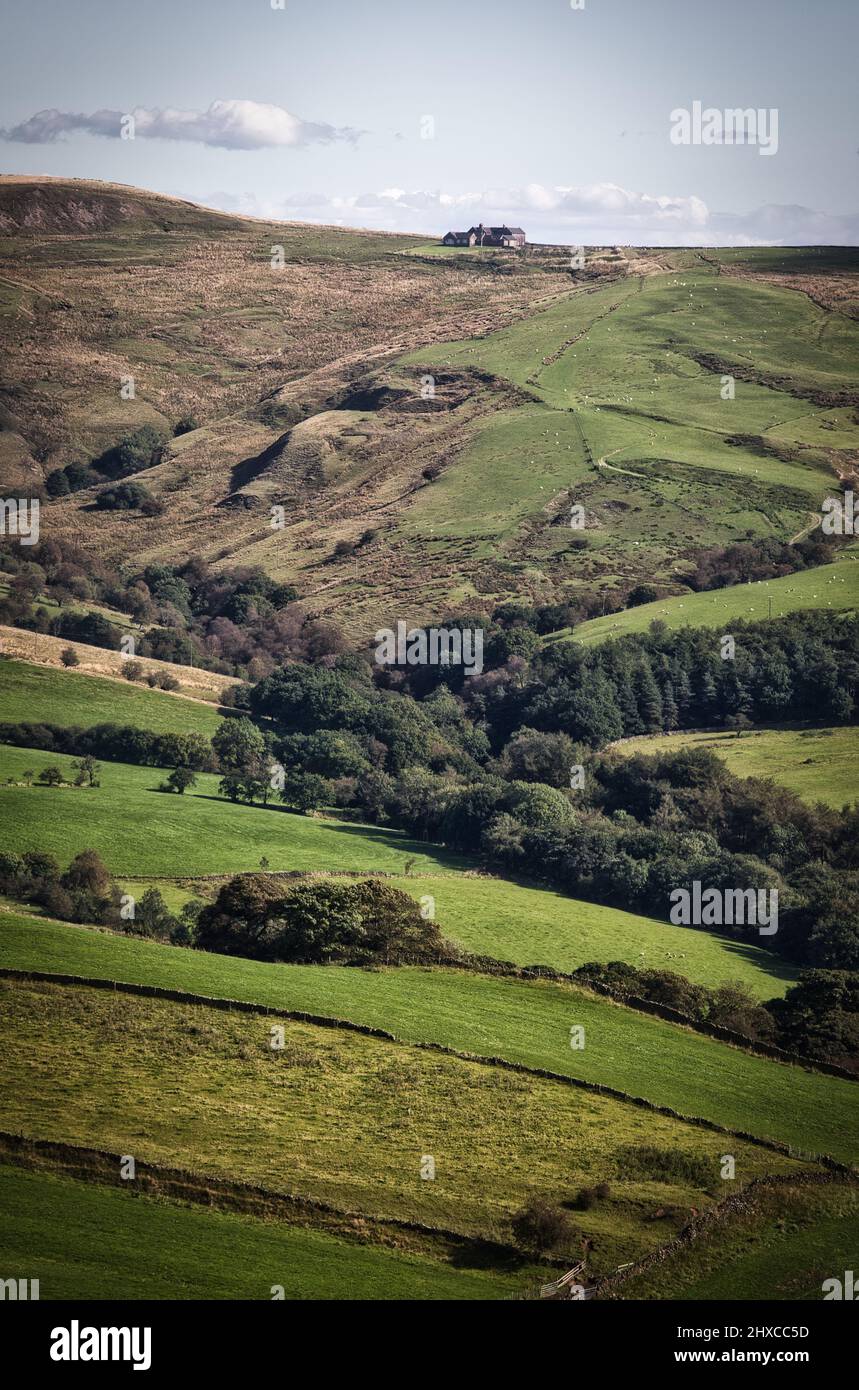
(536, 926)
(139, 830)
(783, 1248)
(635, 429)
(41, 694)
(817, 764)
(514, 465)
(632, 343)
(343, 1117)
(525, 1022)
(83, 1241)
(834, 587)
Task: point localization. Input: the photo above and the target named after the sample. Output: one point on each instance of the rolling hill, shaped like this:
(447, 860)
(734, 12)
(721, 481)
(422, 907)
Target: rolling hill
(817, 764)
(309, 386)
(526, 1022)
(396, 431)
(175, 1085)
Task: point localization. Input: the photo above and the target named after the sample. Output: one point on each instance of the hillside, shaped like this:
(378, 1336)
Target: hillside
(817, 763)
(834, 587)
(526, 1022)
(307, 386)
(376, 972)
(162, 1249)
(51, 695)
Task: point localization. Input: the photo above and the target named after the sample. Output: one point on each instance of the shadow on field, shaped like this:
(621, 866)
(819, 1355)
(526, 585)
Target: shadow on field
(751, 953)
(376, 834)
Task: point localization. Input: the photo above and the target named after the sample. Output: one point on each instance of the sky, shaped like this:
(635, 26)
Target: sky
(571, 118)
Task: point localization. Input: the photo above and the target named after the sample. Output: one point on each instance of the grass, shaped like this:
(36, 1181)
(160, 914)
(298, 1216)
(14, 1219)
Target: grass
(633, 426)
(834, 587)
(817, 764)
(346, 1118)
(512, 467)
(782, 1248)
(39, 694)
(536, 926)
(139, 830)
(88, 1242)
(525, 1022)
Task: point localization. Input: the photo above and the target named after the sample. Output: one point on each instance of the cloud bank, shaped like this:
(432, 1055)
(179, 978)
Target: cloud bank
(594, 215)
(227, 125)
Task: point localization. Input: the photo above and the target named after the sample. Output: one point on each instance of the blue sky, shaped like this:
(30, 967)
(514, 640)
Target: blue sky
(552, 117)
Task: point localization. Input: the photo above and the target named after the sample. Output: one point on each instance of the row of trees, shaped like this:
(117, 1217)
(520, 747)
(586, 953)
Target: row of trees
(122, 743)
(488, 770)
(86, 892)
(817, 1018)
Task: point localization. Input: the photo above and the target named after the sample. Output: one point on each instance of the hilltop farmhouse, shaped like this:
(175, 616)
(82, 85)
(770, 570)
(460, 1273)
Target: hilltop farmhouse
(486, 236)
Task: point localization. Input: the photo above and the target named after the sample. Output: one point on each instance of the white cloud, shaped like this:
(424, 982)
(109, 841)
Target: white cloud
(595, 214)
(229, 125)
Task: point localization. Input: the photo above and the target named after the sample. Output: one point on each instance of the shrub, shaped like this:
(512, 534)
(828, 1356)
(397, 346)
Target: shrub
(69, 657)
(124, 497)
(88, 872)
(161, 680)
(39, 865)
(642, 593)
(58, 903)
(151, 916)
(57, 484)
(139, 449)
(181, 778)
(663, 1165)
(540, 1227)
(318, 922)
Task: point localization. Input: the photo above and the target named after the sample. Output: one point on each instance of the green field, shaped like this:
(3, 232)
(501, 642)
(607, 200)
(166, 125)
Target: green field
(817, 764)
(83, 1241)
(633, 426)
(834, 587)
(536, 926)
(783, 1248)
(39, 694)
(345, 1118)
(521, 1021)
(139, 830)
(511, 468)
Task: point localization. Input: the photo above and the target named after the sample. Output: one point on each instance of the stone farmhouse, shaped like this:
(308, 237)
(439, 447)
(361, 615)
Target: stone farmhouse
(486, 236)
